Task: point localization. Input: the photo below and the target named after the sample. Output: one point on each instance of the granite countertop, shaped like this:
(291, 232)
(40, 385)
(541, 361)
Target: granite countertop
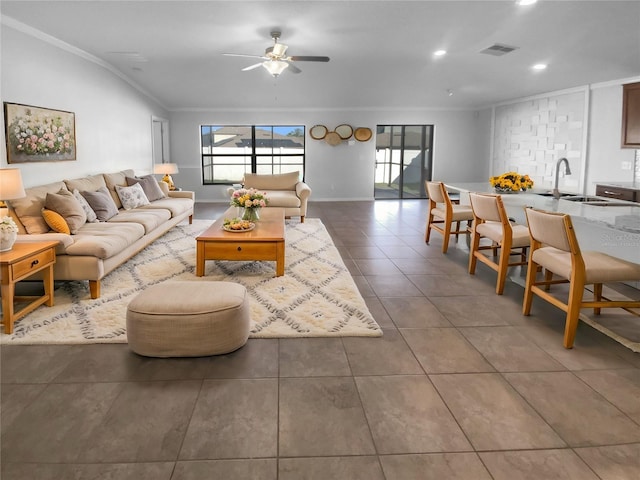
(613, 230)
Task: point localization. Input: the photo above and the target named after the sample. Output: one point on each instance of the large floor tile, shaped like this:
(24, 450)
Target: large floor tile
(620, 387)
(113, 471)
(537, 464)
(449, 466)
(392, 286)
(57, 425)
(15, 398)
(240, 469)
(146, 423)
(476, 311)
(449, 285)
(406, 415)
(388, 355)
(492, 413)
(379, 313)
(380, 266)
(324, 468)
(322, 416)
(313, 357)
(414, 312)
(233, 419)
(616, 462)
(444, 350)
(509, 350)
(565, 402)
(34, 363)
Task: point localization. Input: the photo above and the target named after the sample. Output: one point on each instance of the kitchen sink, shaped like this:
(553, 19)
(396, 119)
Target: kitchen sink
(597, 201)
(585, 198)
(550, 194)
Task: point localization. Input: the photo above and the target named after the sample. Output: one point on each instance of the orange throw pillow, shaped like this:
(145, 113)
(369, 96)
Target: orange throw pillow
(55, 221)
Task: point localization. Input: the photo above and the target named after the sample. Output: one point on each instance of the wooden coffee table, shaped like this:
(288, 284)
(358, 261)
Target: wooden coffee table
(264, 242)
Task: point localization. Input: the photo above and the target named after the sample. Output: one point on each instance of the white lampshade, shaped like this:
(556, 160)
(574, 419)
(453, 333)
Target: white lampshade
(275, 67)
(11, 184)
(165, 168)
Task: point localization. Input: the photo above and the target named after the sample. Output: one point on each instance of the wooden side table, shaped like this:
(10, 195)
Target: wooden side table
(19, 263)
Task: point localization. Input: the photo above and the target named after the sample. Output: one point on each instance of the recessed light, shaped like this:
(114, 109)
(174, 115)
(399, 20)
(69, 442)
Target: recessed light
(439, 53)
(539, 66)
(524, 3)
(450, 93)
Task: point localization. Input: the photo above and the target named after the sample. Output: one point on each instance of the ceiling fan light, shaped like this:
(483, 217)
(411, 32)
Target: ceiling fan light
(275, 67)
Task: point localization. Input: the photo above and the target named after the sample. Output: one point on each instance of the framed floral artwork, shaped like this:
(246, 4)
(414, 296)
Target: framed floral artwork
(36, 134)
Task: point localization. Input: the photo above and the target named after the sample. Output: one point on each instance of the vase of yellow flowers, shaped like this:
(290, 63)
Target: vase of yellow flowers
(511, 182)
(251, 200)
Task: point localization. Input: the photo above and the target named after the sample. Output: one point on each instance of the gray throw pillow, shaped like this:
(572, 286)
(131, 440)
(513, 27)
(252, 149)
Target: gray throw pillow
(102, 203)
(150, 186)
(91, 215)
(65, 204)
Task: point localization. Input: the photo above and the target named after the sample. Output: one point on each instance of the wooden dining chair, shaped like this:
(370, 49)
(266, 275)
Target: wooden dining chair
(490, 221)
(554, 247)
(443, 213)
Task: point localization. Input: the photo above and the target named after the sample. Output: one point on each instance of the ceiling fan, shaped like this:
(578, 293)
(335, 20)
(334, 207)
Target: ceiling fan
(275, 60)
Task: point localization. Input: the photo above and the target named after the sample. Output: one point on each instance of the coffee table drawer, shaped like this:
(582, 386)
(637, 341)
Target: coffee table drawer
(241, 250)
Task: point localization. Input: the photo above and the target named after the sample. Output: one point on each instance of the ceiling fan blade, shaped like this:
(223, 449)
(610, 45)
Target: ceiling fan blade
(309, 59)
(251, 67)
(293, 69)
(243, 55)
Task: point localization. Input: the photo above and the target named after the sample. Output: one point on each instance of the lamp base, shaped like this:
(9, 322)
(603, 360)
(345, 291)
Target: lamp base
(169, 181)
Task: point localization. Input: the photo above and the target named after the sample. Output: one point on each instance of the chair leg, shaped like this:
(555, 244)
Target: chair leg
(548, 276)
(427, 232)
(475, 243)
(576, 289)
(503, 267)
(532, 272)
(457, 230)
(597, 296)
(446, 234)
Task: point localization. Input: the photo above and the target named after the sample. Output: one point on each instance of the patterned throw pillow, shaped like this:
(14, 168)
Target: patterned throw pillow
(55, 221)
(101, 203)
(149, 185)
(65, 204)
(132, 197)
(91, 215)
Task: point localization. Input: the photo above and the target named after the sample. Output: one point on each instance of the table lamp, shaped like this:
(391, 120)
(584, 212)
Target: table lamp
(10, 188)
(167, 169)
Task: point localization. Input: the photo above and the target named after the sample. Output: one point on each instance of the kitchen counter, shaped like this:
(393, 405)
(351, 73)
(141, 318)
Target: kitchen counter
(610, 229)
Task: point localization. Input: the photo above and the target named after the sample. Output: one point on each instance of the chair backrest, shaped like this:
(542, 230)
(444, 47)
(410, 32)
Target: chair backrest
(436, 192)
(551, 228)
(488, 207)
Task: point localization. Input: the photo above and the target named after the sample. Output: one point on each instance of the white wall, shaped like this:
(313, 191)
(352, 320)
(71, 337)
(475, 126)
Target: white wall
(113, 119)
(607, 160)
(346, 171)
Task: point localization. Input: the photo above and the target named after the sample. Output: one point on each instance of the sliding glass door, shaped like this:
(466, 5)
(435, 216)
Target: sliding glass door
(403, 160)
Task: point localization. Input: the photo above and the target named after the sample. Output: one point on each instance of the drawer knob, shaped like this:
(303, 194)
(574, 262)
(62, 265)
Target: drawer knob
(239, 249)
(612, 193)
(34, 263)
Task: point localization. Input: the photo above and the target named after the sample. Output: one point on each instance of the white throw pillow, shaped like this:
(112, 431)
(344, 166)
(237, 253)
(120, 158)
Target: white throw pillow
(132, 197)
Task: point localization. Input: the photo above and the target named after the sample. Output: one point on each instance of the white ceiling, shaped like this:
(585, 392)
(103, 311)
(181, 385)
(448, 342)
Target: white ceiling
(381, 51)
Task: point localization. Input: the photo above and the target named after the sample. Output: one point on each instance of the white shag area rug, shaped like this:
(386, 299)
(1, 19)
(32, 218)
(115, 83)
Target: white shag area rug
(316, 297)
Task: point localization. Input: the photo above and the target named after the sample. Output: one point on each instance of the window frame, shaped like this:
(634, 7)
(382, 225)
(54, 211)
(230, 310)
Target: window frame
(207, 160)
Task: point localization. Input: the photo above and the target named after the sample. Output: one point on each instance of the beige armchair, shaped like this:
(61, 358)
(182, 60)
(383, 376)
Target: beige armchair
(283, 190)
(555, 248)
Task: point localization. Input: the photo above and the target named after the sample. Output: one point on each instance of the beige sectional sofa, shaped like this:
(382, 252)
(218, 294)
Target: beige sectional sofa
(283, 190)
(95, 248)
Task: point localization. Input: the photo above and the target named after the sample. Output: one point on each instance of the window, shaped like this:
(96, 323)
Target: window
(403, 160)
(228, 151)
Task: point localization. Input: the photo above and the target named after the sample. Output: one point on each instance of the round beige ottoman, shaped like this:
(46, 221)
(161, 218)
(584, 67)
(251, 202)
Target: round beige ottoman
(188, 319)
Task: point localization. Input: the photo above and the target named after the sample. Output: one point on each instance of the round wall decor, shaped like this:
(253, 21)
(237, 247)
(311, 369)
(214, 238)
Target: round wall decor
(362, 134)
(333, 139)
(345, 131)
(318, 132)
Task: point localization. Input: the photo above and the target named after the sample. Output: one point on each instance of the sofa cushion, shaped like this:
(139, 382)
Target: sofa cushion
(55, 221)
(281, 181)
(64, 203)
(116, 178)
(175, 205)
(150, 186)
(103, 241)
(91, 215)
(29, 209)
(149, 219)
(102, 203)
(132, 197)
(86, 184)
(282, 198)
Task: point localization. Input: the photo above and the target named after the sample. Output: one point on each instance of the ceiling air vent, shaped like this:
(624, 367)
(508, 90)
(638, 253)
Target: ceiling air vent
(498, 49)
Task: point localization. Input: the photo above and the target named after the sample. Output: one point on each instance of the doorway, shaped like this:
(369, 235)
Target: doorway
(403, 161)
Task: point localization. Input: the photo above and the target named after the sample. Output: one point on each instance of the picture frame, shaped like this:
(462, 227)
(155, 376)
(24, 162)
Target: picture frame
(37, 134)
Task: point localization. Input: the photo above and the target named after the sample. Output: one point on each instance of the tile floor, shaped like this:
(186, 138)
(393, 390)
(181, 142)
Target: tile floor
(461, 386)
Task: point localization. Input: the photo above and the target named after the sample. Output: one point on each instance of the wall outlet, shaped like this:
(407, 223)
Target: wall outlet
(626, 165)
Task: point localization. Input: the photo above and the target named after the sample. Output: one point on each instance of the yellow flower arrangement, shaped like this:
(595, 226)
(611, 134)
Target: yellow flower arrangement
(511, 182)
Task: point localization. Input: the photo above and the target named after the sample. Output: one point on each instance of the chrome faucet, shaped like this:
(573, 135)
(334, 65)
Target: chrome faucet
(567, 171)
